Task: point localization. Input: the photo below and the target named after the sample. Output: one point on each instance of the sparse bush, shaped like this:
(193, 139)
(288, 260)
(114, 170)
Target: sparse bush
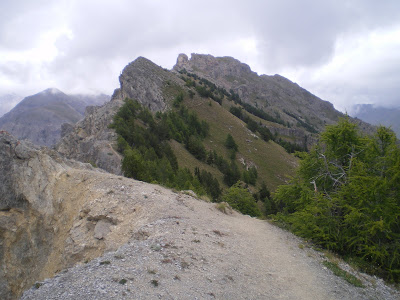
(38, 285)
(334, 267)
(241, 199)
(154, 282)
(223, 207)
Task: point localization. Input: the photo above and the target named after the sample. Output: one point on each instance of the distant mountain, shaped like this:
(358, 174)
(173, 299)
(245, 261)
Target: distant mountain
(8, 101)
(38, 118)
(376, 115)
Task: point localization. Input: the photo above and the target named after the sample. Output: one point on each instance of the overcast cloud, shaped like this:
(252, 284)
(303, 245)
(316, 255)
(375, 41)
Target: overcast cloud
(346, 52)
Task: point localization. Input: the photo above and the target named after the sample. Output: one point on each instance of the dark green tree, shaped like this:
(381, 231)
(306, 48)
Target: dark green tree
(250, 175)
(346, 197)
(230, 143)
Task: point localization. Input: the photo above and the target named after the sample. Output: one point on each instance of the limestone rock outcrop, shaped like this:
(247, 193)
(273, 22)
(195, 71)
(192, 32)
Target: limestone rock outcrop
(91, 140)
(276, 95)
(55, 213)
(29, 176)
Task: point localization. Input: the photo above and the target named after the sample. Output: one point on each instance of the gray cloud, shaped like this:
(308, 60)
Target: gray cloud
(304, 33)
(291, 37)
(21, 22)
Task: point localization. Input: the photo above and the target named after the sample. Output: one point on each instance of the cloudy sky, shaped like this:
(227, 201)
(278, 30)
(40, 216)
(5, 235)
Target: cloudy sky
(344, 51)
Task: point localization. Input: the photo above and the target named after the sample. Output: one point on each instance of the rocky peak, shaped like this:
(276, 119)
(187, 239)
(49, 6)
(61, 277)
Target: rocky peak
(145, 81)
(212, 67)
(182, 61)
(52, 91)
(91, 140)
(278, 96)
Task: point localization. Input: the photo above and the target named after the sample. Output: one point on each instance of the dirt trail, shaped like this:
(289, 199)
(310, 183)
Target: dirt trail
(183, 248)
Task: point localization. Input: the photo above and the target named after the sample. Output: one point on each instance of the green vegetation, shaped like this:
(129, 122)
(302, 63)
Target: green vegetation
(301, 123)
(241, 199)
(273, 163)
(250, 176)
(346, 197)
(38, 285)
(230, 143)
(188, 148)
(148, 156)
(223, 207)
(265, 134)
(207, 89)
(343, 274)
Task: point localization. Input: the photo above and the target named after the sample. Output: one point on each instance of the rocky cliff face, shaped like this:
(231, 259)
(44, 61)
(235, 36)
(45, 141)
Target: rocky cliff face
(29, 207)
(144, 81)
(90, 140)
(55, 213)
(276, 95)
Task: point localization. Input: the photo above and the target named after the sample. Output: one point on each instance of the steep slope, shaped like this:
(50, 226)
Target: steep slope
(155, 88)
(273, 163)
(115, 237)
(302, 113)
(90, 140)
(376, 115)
(38, 118)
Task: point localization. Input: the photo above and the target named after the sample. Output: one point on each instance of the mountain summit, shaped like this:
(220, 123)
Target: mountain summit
(301, 112)
(292, 114)
(39, 117)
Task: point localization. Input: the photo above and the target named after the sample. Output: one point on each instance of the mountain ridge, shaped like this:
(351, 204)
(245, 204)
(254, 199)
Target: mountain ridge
(275, 94)
(377, 115)
(118, 237)
(91, 139)
(39, 117)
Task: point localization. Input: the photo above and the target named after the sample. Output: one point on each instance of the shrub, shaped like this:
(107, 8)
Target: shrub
(241, 199)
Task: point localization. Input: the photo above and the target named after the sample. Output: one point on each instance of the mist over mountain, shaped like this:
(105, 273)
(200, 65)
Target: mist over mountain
(8, 101)
(376, 115)
(39, 117)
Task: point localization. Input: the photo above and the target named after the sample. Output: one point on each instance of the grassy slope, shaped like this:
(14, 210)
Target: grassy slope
(187, 160)
(273, 163)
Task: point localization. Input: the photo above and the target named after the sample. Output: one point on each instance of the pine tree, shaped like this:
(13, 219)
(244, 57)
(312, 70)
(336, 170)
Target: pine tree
(346, 196)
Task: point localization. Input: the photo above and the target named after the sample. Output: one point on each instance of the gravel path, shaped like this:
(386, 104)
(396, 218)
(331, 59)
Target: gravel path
(187, 249)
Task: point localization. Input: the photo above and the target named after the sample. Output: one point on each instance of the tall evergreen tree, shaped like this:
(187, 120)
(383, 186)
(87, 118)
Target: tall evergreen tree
(346, 196)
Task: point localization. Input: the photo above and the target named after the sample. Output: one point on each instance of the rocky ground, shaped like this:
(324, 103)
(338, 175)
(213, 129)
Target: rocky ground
(179, 247)
(96, 235)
